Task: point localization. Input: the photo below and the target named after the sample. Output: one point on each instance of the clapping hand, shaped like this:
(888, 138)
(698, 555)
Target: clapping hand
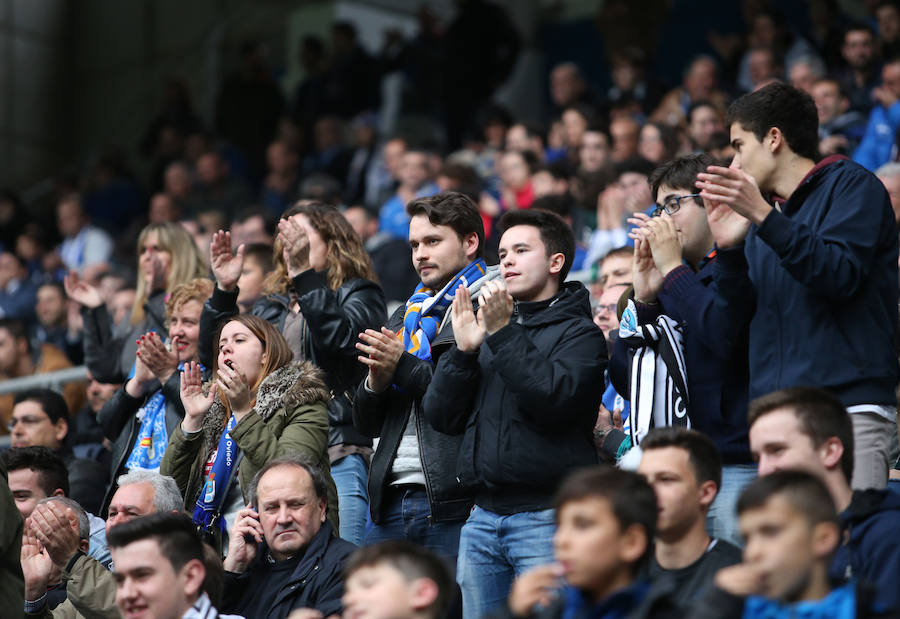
(296, 245)
(226, 267)
(81, 291)
(153, 353)
(383, 350)
(192, 399)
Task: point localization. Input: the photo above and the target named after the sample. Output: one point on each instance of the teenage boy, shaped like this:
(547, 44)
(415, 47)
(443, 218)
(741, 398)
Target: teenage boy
(674, 261)
(791, 529)
(684, 469)
(606, 521)
(413, 490)
(159, 568)
(522, 384)
(814, 274)
(396, 580)
(809, 429)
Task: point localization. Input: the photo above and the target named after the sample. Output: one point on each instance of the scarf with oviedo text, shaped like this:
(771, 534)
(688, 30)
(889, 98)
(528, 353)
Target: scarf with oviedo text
(215, 488)
(425, 310)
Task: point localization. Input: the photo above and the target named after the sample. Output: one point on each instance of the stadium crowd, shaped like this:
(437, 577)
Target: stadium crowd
(640, 361)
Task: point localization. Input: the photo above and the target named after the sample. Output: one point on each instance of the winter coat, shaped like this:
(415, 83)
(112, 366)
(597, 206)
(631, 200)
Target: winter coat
(333, 321)
(526, 402)
(90, 592)
(289, 417)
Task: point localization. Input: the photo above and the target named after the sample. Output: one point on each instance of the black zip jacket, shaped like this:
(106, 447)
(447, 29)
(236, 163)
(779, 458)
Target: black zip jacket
(526, 403)
(386, 415)
(334, 320)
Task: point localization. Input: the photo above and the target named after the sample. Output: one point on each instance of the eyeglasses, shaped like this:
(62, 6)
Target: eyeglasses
(673, 204)
(25, 421)
(602, 309)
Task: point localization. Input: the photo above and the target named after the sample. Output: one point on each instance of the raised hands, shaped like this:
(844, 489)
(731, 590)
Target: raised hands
(296, 245)
(468, 330)
(56, 527)
(645, 277)
(663, 239)
(734, 188)
(382, 351)
(243, 540)
(36, 565)
(495, 307)
(81, 291)
(226, 267)
(154, 355)
(192, 399)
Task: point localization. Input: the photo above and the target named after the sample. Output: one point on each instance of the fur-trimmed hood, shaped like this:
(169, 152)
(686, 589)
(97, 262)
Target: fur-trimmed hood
(290, 386)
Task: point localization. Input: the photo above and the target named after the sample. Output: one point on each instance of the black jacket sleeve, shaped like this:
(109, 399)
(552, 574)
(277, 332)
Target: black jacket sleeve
(412, 376)
(451, 395)
(116, 413)
(218, 307)
(101, 350)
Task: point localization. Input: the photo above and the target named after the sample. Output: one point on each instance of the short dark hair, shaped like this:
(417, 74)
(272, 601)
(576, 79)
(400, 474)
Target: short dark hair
(820, 413)
(16, 329)
(702, 453)
(413, 562)
(857, 26)
(631, 498)
(51, 402)
(296, 460)
(530, 159)
(680, 172)
(452, 209)
(806, 492)
(635, 165)
(261, 253)
(696, 105)
(555, 233)
(270, 222)
(783, 106)
(562, 205)
(176, 534)
(51, 469)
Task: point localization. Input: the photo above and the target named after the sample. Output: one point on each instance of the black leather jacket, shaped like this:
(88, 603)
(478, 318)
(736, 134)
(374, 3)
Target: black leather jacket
(334, 320)
(117, 418)
(386, 415)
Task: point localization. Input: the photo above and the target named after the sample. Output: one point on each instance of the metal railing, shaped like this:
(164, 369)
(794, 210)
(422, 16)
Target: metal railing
(50, 380)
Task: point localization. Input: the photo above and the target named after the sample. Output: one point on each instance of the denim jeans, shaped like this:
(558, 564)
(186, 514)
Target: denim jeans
(351, 476)
(407, 515)
(722, 521)
(495, 549)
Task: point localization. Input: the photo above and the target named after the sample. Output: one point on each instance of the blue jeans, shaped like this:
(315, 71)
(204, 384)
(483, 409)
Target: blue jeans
(351, 476)
(407, 515)
(495, 549)
(721, 521)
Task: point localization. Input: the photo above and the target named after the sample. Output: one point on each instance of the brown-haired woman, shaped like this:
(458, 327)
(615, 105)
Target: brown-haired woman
(320, 296)
(261, 405)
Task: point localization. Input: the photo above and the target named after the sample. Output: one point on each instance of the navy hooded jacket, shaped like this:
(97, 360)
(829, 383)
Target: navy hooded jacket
(818, 282)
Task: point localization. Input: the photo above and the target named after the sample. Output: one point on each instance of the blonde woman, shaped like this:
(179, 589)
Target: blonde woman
(167, 257)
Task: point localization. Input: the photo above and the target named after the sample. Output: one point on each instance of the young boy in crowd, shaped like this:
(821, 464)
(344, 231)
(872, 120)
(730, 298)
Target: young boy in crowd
(258, 264)
(396, 580)
(606, 520)
(789, 522)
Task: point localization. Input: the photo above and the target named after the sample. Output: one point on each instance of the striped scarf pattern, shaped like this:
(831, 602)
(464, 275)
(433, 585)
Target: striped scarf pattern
(425, 310)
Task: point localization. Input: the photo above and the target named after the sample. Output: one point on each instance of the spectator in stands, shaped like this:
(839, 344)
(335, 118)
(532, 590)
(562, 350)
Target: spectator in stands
(283, 553)
(606, 523)
(685, 470)
(791, 531)
(396, 580)
(630, 80)
(575, 121)
(564, 206)
(516, 190)
(53, 324)
(217, 188)
(606, 316)
(85, 434)
(362, 156)
(17, 359)
(554, 179)
(525, 136)
(594, 154)
(835, 235)
(164, 209)
(840, 128)
(40, 419)
(254, 224)
(810, 430)
(877, 145)
(535, 388)
(889, 175)
(415, 182)
(142, 415)
(11, 581)
(384, 173)
(700, 83)
(43, 579)
(320, 296)
(658, 143)
(704, 121)
(391, 257)
(160, 567)
(763, 67)
(859, 76)
(17, 292)
(85, 248)
(178, 184)
(613, 269)
(90, 587)
(568, 87)
(673, 275)
(625, 132)
(887, 12)
(804, 71)
(167, 257)
(413, 490)
(258, 264)
(281, 185)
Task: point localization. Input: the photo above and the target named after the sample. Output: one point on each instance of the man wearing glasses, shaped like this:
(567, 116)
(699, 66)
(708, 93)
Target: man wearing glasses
(673, 275)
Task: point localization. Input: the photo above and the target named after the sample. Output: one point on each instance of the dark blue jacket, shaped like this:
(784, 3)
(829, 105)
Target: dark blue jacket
(821, 275)
(715, 358)
(871, 550)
